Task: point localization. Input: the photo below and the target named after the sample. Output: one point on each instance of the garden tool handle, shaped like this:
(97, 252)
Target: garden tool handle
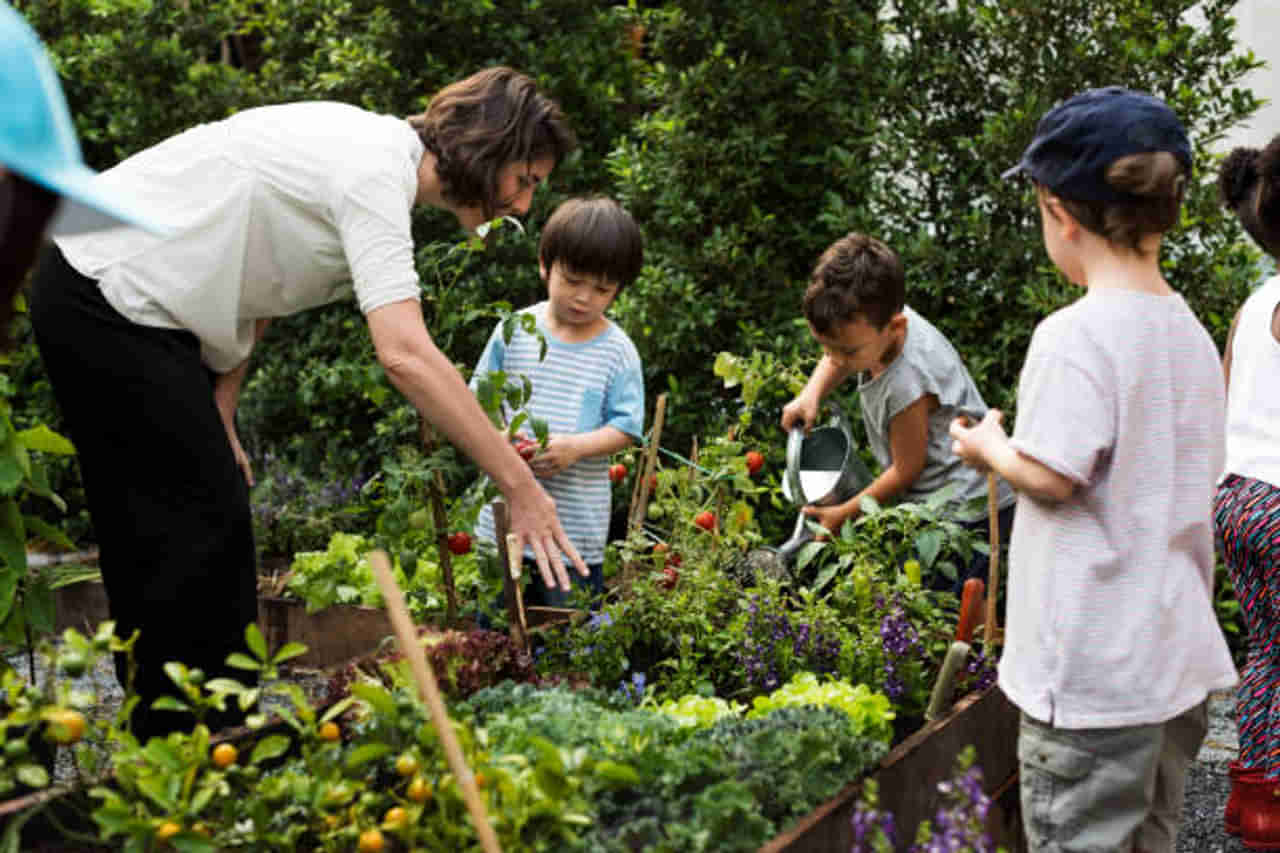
(940, 699)
(407, 636)
(515, 556)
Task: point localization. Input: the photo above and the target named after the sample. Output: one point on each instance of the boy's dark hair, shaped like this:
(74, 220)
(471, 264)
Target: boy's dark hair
(1157, 181)
(593, 236)
(856, 275)
(479, 124)
(1249, 185)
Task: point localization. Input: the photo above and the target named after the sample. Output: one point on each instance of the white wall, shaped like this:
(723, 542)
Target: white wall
(1258, 29)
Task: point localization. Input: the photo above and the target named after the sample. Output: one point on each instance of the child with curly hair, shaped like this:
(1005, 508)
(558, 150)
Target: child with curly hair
(1247, 506)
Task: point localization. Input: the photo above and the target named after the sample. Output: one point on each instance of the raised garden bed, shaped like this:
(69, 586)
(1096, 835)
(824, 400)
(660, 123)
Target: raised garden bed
(907, 777)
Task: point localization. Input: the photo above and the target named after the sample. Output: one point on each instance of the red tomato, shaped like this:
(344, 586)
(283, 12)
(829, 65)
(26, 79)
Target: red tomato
(705, 519)
(460, 542)
(755, 461)
(617, 473)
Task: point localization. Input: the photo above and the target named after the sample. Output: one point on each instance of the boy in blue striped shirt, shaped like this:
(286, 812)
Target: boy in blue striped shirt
(589, 388)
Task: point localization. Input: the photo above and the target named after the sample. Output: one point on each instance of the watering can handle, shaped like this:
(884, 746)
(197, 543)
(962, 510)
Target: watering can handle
(795, 439)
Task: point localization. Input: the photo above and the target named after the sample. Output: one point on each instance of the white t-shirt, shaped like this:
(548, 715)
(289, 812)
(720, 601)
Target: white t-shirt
(1110, 616)
(274, 210)
(1253, 400)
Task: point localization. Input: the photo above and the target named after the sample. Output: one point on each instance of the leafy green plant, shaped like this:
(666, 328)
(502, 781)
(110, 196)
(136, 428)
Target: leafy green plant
(869, 712)
(891, 536)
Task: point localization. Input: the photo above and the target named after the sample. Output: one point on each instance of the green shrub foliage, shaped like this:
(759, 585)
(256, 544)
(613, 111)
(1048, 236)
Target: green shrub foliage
(744, 136)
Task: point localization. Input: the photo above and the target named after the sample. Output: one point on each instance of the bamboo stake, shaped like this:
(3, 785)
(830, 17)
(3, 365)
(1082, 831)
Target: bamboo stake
(430, 693)
(993, 571)
(640, 495)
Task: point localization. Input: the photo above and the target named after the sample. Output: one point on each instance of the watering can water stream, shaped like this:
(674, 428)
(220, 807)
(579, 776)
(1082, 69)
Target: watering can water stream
(823, 468)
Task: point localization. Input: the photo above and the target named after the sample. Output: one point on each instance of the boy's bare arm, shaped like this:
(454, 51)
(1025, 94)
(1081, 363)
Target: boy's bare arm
(803, 410)
(908, 449)
(564, 449)
(986, 447)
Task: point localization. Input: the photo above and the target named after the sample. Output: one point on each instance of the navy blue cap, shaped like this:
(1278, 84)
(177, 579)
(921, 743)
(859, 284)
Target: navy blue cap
(1077, 140)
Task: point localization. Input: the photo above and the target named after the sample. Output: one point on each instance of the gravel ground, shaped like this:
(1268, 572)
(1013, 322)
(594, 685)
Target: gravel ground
(1208, 785)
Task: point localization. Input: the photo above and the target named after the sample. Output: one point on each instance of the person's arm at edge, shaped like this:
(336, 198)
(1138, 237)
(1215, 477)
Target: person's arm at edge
(1226, 351)
(431, 382)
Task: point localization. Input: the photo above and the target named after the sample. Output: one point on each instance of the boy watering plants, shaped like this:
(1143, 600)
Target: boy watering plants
(1247, 506)
(1111, 646)
(589, 388)
(911, 384)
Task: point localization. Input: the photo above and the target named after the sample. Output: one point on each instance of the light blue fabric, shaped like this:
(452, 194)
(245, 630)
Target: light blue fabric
(578, 387)
(38, 139)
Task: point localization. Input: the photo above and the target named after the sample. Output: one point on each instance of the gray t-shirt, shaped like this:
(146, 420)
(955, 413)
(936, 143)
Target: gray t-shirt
(929, 364)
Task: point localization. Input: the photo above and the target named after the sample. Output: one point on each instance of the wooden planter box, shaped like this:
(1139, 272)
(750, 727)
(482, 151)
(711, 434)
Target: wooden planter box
(909, 775)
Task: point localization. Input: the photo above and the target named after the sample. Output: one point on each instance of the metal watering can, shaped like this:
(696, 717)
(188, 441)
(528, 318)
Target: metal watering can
(825, 463)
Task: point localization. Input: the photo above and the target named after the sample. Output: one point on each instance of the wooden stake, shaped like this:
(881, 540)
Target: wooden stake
(648, 466)
(510, 556)
(993, 572)
(407, 636)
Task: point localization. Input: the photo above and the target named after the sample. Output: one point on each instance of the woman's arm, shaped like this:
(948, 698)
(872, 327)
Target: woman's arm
(226, 395)
(420, 371)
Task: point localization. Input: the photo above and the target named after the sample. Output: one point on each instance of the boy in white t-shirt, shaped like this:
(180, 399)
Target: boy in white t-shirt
(1112, 645)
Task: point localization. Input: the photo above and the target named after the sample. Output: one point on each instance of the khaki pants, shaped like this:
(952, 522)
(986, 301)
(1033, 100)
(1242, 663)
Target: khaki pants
(1106, 790)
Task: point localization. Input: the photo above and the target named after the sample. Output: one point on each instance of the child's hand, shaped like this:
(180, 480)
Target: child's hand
(561, 452)
(977, 444)
(830, 517)
(801, 411)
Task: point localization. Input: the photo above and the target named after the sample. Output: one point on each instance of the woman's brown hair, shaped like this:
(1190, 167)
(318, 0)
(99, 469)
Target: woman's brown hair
(481, 123)
(1156, 183)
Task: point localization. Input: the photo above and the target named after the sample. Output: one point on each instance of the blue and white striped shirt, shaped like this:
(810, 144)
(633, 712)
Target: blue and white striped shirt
(578, 387)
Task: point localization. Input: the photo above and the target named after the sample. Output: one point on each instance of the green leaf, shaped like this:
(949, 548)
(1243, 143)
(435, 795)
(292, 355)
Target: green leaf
(12, 471)
(928, 546)
(13, 537)
(618, 774)
(38, 602)
(825, 577)
(807, 552)
(289, 651)
(378, 698)
(365, 753)
(169, 703)
(254, 640)
(271, 746)
(46, 440)
(191, 843)
(32, 775)
(39, 527)
(240, 660)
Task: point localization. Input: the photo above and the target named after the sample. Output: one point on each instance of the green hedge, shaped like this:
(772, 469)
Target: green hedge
(745, 137)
